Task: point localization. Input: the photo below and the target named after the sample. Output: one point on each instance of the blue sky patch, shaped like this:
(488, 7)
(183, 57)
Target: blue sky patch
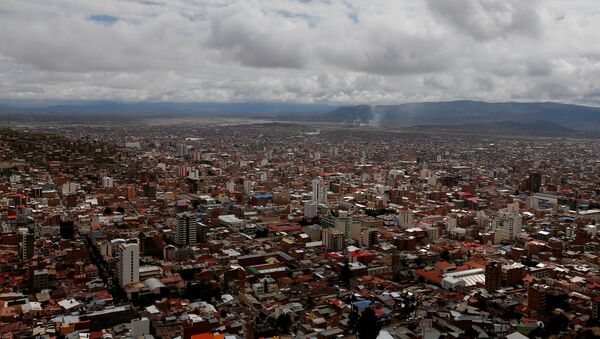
(103, 18)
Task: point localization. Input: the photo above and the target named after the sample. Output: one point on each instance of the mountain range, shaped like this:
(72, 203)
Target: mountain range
(523, 117)
(464, 112)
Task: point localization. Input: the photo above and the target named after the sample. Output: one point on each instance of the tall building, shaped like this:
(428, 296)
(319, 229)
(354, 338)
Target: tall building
(129, 263)
(310, 209)
(67, 229)
(344, 223)
(202, 233)
(183, 150)
(27, 245)
(369, 237)
(535, 182)
(507, 226)
(107, 182)
(406, 218)
(493, 276)
(247, 187)
(130, 192)
(186, 230)
(319, 193)
(150, 190)
(333, 240)
(536, 297)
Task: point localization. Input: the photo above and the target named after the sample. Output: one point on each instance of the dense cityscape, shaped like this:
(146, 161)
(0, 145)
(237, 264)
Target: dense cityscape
(264, 230)
(299, 169)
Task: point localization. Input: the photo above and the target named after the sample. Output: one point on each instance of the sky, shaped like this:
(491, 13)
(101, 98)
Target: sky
(303, 51)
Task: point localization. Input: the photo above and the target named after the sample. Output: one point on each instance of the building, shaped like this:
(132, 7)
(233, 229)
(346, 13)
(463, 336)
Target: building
(131, 192)
(202, 232)
(107, 182)
(463, 279)
(231, 221)
(183, 151)
(493, 276)
(319, 193)
(27, 246)
(40, 280)
(186, 231)
(536, 297)
(150, 190)
(67, 229)
(333, 240)
(310, 209)
(369, 237)
(140, 327)
(507, 226)
(406, 218)
(535, 182)
(129, 263)
(344, 223)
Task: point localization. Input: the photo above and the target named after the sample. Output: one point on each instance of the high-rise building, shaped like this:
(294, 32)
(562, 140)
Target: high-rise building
(319, 192)
(129, 263)
(186, 230)
(202, 232)
(535, 182)
(493, 276)
(150, 190)
(247, 187)
(310, 209)
(130, 192)
(344, 223)
(333, 240)
(183, 150)
(536, 297)
(107, 182)
(507, 226)
(372, 236)
(406, 218)
(27, 245)
(596, 308)
(67, 229)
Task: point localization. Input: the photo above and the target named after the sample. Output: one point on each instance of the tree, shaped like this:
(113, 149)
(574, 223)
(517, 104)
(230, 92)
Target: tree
(368, 327)
(283, 323)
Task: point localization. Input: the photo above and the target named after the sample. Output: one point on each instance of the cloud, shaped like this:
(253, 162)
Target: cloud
(255, 38)
(489, 19)
(352, 51)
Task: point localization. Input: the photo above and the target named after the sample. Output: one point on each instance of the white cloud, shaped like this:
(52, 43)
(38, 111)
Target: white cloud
(353, 51)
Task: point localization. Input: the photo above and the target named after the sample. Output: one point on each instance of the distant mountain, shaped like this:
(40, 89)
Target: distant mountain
(112, 108)
(463, 112)
(450, 113)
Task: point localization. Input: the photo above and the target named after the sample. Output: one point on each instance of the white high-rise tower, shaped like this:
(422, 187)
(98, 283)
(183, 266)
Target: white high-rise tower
(319, 193)
(129, 263)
